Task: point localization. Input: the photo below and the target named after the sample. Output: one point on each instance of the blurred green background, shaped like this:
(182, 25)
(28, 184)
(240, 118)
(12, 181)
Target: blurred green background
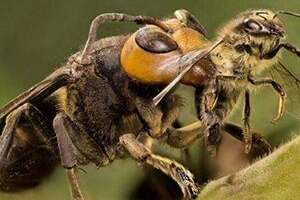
(38, 36)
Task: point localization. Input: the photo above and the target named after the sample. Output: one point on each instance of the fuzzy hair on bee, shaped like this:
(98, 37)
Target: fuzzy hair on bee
(247, 38)
(246, 45)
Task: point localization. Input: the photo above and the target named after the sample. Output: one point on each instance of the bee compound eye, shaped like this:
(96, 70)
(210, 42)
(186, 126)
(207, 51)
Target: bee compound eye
(155, 41)
(252, 26)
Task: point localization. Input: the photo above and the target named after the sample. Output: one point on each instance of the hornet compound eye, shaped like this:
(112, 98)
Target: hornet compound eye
(155, 41)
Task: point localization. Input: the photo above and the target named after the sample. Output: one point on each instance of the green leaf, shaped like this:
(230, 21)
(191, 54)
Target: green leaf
(274, 177)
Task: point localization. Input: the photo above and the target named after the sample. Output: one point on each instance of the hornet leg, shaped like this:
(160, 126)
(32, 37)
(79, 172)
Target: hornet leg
(176, 171)
(117, 17)
(76, 146)
(68, 156)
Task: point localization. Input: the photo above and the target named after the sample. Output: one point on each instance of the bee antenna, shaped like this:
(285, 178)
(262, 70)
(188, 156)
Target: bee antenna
(283, 12)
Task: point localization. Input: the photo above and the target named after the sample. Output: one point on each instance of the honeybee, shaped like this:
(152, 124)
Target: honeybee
(102, 103)
(245, 47)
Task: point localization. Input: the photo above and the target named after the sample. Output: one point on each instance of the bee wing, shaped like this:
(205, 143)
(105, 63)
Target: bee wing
(39, 91)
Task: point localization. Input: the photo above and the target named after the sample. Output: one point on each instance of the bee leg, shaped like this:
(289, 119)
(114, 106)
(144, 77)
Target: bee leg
(176, 171)
(114, 17)
(145, 139)
(291, 48)
(287, 46)
(159, 118)
(278, 88)
(211, 111)
(183, 137)
(151, 115)
(190, 20)
(171, 108)
(259, 143)
(211, 96)
(213, 138)
(246, 118)
(27, 154)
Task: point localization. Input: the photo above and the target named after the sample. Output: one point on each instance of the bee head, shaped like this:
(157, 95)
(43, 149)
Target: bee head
(258, 31)
(260, 23)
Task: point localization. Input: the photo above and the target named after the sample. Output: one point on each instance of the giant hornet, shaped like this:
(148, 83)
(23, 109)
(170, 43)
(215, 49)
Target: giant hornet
(104, 100)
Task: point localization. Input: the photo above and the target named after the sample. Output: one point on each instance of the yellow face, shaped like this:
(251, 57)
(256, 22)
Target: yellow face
(260, 29)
